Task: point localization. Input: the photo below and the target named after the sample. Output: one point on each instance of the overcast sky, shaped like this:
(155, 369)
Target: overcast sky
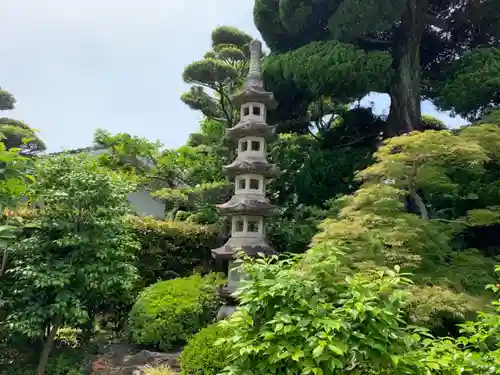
(77, 65)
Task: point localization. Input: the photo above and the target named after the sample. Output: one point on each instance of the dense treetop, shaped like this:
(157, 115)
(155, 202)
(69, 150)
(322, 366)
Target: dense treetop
(421, 49)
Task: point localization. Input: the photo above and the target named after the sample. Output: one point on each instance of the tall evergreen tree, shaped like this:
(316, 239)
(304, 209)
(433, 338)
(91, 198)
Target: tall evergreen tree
(410, 49)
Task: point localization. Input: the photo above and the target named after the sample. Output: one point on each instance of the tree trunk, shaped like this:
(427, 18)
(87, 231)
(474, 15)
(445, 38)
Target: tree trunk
(404, 115)
(4, 262)
(47, 347)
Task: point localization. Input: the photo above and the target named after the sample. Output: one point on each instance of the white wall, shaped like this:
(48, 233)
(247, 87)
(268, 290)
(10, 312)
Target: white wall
(143, 204)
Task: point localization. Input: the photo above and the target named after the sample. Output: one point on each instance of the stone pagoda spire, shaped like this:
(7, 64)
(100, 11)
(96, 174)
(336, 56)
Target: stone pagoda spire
(248, 207)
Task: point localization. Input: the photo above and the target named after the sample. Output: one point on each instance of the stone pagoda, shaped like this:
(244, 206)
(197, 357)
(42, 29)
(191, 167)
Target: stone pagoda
(248, 207)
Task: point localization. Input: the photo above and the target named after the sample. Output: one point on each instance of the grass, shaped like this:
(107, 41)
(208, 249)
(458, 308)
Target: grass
(158, 370)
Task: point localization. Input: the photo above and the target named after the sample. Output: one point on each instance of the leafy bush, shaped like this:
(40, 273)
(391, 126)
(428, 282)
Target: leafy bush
(293, 230)
(306, 316)
(65, 361)
(311, 315)
(78, 254)
(201, 356)
(430, 122)
(172, 248)
(169, 312)
(475, 351)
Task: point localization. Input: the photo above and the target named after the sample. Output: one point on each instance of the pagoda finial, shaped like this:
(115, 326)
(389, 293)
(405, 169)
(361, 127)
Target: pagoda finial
(254, 78)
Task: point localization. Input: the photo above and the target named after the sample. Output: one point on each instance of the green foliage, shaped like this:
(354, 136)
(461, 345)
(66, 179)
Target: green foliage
(475, 351)
(483, 217)
(192, 197)
(293, 230)
(14, 133)
(15, 177)
(197, 99)
(7, 100)
(421, 162)
(201, 356)
(17, 134)
(130, 154)
(222, 71)
(468, 193)
(212, 133)
(328, 68)
(474, 269)
(375, 227)
(171, 248)
(311, 315)
(472, 84)
(228, 35)
(170, 312)
(357, 18)
(311, 173)
(66, 362)
(209, 72)
(78, 252)
(77, 257)
(315, 319)
(197, 204)
(491, 116)
(391, 31)
(192, 165)
(412, 158)
(432, 123)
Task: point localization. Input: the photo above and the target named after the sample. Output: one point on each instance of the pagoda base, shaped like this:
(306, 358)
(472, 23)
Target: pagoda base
(229, 306)
(225, 312)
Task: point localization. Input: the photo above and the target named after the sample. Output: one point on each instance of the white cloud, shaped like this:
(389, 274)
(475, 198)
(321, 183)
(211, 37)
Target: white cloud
(75, 65)
(119, 20)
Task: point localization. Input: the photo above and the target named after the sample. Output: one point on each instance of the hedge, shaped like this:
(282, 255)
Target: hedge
(172, 248)
(170, 312)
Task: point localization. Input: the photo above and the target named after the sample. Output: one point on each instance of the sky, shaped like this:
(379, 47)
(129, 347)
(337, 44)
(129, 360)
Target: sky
(75, 66)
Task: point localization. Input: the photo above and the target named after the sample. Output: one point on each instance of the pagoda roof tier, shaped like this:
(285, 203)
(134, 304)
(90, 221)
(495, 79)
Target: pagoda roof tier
(252, 166)
(251, 246)
(251, 128)
(254, 93)
(247, 204)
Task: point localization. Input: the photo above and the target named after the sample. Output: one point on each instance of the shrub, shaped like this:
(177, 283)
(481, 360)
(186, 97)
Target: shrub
(172, 248)
(169, 312)
(201, 356)
(307, 316)
(78, 253)
(430, 122)
(293, 230)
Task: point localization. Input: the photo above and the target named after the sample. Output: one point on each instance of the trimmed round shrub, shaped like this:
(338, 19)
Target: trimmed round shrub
(170, 312)
(201, 356)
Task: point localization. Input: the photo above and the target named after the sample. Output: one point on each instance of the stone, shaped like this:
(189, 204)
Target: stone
(225, 312)
(144, 357)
